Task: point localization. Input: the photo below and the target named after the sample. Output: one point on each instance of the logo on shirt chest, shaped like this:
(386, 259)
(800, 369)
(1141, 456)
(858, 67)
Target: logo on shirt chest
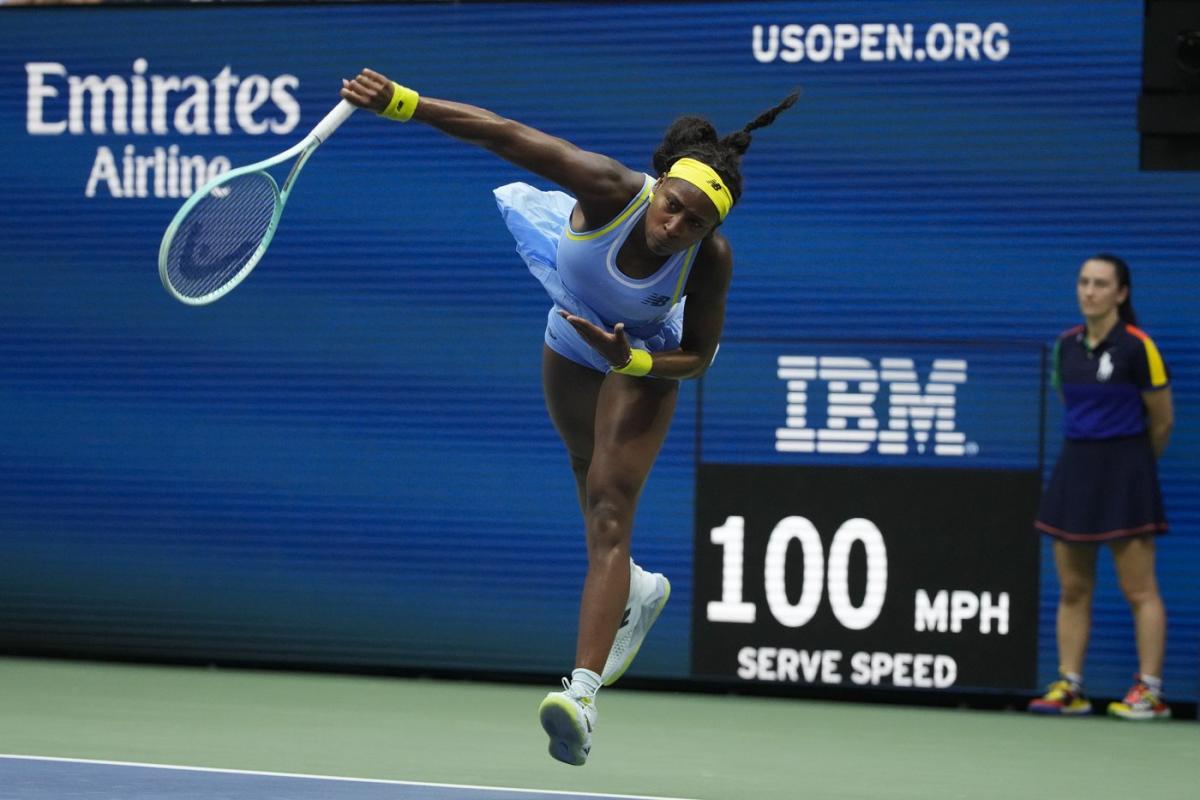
(1104, 370)
(657, 300)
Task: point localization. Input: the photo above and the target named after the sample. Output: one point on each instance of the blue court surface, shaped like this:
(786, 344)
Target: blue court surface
(40, 778)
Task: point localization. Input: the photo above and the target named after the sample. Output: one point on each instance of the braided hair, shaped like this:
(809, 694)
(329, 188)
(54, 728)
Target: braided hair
(695, 137)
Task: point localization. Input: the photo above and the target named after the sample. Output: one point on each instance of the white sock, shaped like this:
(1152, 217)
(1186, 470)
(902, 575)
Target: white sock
(584, 683)
(1153, 682)
(1074, 678)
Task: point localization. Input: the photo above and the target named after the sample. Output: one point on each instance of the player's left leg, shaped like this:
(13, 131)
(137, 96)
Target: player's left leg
(1134, 559)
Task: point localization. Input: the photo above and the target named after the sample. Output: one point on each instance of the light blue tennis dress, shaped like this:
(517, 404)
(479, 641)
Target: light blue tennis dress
(579, 271)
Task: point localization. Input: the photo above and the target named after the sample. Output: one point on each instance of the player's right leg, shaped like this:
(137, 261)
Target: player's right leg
(1076, 567)
(571, 391)
(1134, 560)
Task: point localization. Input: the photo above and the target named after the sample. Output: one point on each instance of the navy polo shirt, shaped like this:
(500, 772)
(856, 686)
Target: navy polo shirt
(1102, 386)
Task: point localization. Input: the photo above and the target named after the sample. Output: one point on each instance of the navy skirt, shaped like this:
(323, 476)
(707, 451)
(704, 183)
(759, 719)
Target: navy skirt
(1103, 490)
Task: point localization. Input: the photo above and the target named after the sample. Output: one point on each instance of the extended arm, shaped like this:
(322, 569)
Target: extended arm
(602, 185)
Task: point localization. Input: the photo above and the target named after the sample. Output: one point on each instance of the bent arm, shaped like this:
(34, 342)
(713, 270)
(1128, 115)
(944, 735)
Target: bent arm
(1160, 418)
(703, 316)
(703, 319)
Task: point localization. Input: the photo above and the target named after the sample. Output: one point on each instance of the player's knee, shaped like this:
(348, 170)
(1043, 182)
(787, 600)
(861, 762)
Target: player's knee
(1075, 592)
(609, 520)
(1140, 593)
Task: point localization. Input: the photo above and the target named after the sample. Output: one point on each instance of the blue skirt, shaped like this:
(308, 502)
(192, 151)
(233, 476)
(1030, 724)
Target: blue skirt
(1103, 490)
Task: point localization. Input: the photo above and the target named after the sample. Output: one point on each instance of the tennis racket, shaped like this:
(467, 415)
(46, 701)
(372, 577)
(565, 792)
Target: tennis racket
(222, 231)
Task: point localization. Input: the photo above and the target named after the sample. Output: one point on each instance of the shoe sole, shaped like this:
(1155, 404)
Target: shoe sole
(1140, 716)
(653, 618)
(1060, 712)
(566, 740)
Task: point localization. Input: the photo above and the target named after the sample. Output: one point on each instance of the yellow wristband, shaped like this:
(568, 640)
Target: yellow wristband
(640, 362)
(403, 103)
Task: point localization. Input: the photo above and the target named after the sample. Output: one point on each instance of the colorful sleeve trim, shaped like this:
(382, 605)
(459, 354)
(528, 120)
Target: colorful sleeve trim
(1070, 332)
(1158, 370)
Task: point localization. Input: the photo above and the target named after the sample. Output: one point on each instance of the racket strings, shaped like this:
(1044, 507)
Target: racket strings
(221, 234)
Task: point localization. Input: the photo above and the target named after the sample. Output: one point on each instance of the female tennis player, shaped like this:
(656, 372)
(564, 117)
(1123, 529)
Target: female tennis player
(1104, 489)
(618, 256)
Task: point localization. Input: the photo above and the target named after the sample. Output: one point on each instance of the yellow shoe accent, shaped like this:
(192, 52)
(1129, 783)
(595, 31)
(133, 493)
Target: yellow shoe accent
(1140, 703)
(1061, 699)
(569, 721)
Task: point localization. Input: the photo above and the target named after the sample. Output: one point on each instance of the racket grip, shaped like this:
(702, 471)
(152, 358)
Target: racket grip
(340, 113)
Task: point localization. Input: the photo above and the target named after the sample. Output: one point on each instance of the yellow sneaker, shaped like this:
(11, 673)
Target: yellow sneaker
(1140, 703)
(1062, 698)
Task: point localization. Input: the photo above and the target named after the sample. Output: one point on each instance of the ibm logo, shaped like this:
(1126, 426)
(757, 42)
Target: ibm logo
(916, 417)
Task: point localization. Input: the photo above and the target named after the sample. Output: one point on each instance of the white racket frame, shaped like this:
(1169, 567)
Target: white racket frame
(304, 148)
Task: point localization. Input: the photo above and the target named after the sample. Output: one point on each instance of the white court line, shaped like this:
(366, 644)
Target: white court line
(557, 792)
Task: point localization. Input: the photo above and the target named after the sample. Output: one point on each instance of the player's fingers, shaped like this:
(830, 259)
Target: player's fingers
(375, 78)
(354, 94)
(361, 85)
(369, 91)
(584, 328)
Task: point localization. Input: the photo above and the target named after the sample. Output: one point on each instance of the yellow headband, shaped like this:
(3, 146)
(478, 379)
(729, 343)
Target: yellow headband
(706, 179)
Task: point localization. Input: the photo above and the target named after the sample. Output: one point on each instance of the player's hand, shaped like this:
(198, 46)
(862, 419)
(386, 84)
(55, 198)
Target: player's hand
(614, 347)
(368, 90)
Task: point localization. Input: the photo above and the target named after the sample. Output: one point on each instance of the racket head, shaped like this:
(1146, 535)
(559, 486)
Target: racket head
(219, 235)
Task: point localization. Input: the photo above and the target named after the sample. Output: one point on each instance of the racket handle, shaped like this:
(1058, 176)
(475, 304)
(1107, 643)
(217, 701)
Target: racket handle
(340, 113)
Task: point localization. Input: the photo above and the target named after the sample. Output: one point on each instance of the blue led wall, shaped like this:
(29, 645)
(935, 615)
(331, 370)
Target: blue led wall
(346, 462)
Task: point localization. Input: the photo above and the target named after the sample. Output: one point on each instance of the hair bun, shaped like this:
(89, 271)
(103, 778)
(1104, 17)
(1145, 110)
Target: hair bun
(690, 130)
(686, 134)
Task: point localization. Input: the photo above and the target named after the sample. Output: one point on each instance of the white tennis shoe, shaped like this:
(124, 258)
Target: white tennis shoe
(569, 720)
(648, 594)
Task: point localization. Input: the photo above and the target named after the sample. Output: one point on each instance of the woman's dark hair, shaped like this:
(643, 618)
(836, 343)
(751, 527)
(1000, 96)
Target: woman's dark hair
(695, 137)
(1125, 310)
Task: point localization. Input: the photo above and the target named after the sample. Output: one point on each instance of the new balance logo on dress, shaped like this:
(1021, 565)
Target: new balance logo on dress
(657, 300)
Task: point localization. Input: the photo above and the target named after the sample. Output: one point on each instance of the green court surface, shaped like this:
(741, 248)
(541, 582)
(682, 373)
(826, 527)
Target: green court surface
(706, 747)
